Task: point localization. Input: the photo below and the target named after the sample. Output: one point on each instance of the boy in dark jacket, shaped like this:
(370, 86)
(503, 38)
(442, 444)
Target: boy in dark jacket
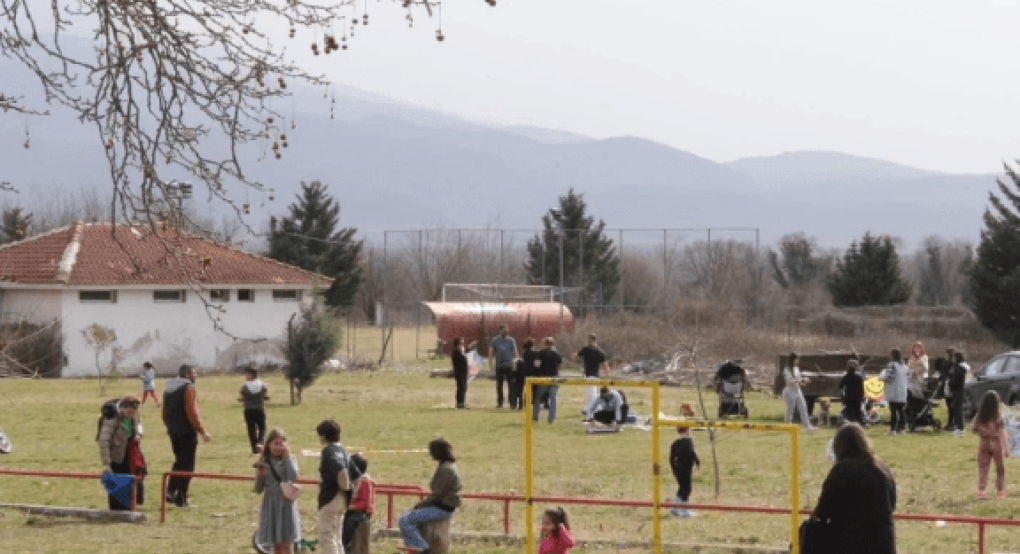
(957, 380)
(682, 460)
(851, 387)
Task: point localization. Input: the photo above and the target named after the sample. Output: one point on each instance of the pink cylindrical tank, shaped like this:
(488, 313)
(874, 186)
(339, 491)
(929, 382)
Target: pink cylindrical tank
(475, 321)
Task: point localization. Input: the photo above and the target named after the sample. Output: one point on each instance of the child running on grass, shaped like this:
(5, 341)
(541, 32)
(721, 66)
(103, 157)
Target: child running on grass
(556, 537)
(148, 378)
(279, 520)
(989, 426)
(362, 503)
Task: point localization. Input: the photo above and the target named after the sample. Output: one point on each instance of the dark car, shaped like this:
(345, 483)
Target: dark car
(1001, 374)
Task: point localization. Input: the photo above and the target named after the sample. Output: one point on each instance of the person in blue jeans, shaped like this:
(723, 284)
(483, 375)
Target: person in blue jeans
(548, 362)
(502, 355)
(440, 504)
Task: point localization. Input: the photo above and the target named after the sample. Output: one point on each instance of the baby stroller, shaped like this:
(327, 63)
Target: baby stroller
(920, 404)
(730, 379)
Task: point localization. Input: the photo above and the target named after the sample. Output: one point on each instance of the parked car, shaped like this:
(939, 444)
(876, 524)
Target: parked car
(1001, 374)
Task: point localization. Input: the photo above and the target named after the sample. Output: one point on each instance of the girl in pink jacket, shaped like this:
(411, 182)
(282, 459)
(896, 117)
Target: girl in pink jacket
(556, 537)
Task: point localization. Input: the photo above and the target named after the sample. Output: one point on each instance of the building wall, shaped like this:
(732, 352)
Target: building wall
(35, 306)
(170, 334)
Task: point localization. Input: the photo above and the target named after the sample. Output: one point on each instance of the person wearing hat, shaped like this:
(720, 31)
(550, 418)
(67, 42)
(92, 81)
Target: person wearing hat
(118, 439)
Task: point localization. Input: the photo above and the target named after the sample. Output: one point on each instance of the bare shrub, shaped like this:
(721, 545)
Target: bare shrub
(31, 349)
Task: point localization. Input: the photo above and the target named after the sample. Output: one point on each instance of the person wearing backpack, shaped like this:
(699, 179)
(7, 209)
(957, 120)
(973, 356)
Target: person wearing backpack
(118, 434)
(334, 486)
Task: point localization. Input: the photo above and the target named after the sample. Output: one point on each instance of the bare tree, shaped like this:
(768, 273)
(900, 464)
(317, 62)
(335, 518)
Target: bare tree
(173, 87)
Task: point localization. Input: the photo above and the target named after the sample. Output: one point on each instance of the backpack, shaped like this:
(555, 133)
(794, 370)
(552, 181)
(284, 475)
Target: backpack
(108, 410)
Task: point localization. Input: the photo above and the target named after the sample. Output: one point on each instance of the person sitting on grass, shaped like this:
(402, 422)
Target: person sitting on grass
(610, 408)
(556, 537)
(442, 501)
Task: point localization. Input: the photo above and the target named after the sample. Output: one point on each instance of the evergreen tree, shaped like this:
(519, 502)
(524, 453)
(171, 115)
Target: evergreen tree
(869, 275)
(311, 340)
(309, 239)
(14, 224)
(995, 275)
(589, 258)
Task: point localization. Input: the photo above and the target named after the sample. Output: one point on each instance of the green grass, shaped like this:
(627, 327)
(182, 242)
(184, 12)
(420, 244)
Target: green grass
(52, 424)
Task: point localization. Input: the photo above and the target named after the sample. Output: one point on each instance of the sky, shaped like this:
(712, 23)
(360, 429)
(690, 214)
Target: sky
(925, 83)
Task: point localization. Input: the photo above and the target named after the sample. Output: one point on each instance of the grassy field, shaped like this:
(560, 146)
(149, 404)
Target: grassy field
(52, 425)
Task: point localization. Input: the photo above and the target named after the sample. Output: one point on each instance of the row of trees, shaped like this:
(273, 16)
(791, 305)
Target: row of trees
(574, 251)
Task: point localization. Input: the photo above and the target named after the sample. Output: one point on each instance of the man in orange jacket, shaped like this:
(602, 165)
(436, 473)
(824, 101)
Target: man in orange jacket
(183, 424)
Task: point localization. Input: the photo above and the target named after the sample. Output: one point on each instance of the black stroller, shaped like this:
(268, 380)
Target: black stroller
(730, 381)
(920, 406)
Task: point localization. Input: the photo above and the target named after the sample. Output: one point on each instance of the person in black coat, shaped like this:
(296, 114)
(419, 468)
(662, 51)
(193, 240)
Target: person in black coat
(854, 514)
(682, 460)
(851, 388)
(460, 370)
(957, 380)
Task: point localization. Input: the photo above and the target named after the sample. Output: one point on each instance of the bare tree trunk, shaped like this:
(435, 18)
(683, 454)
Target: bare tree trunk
(704, 415)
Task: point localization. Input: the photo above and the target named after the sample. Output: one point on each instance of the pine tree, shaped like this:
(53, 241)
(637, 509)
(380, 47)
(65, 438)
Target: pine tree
(869, 275)
(14, 223)
(995, 275)
(309, 239)
(589, 258)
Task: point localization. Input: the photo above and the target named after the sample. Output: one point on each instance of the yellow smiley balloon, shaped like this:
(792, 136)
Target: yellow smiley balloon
(874, 388)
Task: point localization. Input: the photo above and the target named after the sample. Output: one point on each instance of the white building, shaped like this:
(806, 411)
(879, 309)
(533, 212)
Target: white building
(162, 294)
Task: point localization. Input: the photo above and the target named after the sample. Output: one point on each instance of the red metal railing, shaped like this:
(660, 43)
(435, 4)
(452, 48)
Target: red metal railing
(398, 489)
(69, 475)
(390, 490)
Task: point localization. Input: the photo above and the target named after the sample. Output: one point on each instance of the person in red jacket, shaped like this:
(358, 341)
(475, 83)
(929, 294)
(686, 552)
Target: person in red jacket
(362, 503)
(556, 537)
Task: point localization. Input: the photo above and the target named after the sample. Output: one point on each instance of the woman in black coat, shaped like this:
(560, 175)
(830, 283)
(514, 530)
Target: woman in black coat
(854, 514)
(460, 370)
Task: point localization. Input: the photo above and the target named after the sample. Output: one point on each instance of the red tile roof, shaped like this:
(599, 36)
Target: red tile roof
(138, 256)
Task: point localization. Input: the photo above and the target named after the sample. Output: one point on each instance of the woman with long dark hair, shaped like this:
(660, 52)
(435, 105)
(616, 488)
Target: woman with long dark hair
(854, 514)
(439, 504)
(460, 370)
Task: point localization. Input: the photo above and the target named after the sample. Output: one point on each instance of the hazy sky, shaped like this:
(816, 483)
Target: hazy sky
(928, 83)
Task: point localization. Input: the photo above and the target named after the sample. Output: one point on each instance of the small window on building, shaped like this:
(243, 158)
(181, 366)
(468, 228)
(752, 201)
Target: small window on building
(99, 296)
(168, 296)
(245, 295)
(219, 295)
(286, 295)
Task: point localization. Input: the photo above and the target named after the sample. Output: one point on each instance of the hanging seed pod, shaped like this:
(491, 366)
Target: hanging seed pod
(440, 36)
(284, 144)
(109, 144)
(364, 20)
(276, 146)
(283, 84)
(247, 206)
(283, 137)
(246, 29)
(293, 125)
(278, 155)
(344, 47)
(293, 31)
(169, 159)
(270, 120)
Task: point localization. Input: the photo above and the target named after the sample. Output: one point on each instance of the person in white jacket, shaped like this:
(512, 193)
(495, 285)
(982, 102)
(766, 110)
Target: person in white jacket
(792, 394)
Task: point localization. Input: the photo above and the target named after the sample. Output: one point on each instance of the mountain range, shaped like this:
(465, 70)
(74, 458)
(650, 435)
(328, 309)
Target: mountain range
(394, 165)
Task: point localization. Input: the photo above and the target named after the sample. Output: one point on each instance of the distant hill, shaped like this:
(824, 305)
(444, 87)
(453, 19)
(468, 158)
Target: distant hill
(399, 166)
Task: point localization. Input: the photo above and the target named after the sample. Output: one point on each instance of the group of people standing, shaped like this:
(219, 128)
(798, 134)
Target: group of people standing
(512, 366)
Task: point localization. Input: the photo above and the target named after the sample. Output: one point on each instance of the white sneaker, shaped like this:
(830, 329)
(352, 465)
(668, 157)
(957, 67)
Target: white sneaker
(687, 513)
